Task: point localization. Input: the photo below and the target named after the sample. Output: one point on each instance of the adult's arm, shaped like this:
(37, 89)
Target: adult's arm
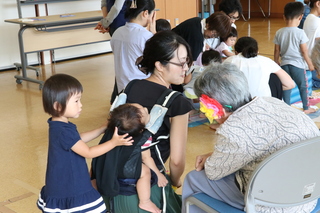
(286, 80)
(104, 14)
(229, 156)
(104, 8)
(277, 54)
(178, 141)
(200, 161)
(113, 12)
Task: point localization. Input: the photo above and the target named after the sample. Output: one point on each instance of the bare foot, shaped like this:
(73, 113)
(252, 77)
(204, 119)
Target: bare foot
(149, 206)
(309, 111)
(214, 126)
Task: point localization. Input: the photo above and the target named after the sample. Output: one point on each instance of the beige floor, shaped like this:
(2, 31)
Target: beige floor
(23, 128)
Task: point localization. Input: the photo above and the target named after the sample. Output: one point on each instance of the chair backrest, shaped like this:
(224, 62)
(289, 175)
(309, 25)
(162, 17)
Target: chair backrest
(288, 177)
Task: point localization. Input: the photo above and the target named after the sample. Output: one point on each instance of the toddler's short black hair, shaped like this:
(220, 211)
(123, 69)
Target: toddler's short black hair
(210, 56)
(293, 10)
(162, 24)
(57, 90)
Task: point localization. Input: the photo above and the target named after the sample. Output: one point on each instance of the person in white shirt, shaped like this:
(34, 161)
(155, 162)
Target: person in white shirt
(312, 24)
(312, 28)
(128, 41)
(257, 68)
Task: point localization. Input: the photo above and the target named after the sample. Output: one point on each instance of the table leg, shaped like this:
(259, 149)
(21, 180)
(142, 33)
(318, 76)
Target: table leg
(24, 62)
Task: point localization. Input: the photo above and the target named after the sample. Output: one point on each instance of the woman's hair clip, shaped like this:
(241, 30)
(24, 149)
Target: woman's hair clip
(133, 4)
(138, 64)
(211, 108)
(138, 61)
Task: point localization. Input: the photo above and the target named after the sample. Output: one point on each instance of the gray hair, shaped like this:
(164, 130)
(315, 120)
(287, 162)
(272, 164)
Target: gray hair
(225, 83)
(315, 56)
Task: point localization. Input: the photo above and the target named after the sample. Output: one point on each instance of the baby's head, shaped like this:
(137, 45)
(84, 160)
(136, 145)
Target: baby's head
(210, 56)
(56, 92)
(129, 118)
(232, 37)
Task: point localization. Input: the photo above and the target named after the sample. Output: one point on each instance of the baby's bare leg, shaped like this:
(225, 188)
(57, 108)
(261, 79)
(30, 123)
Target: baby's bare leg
(143, 189)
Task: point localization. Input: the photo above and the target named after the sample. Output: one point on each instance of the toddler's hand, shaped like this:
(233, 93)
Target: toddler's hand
(121, 140)
(162, 180)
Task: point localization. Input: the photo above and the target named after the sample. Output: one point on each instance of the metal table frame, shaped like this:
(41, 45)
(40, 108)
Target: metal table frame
(263, 13)
(50, 24)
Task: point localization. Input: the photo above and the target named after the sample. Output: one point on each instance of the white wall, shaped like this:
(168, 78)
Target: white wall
(9, 48)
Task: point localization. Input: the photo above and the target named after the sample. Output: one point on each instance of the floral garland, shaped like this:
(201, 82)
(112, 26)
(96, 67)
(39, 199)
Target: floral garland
(211, 108)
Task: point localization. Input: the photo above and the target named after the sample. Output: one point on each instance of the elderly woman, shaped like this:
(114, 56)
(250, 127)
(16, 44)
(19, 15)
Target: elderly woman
(251, 129)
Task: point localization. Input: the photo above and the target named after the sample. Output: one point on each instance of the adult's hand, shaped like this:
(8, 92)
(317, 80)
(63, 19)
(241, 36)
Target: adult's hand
(200, 160)
(101, 28)
(152, 23)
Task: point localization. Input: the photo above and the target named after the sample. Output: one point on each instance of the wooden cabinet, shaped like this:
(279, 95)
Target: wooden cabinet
(276, 8)
(176, 11)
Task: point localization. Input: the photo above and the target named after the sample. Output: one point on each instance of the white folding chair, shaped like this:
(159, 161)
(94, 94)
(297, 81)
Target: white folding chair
(288, 177)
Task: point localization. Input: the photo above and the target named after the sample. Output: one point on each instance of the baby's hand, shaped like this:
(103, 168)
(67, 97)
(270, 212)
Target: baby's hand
(162, 180)
(121, 140)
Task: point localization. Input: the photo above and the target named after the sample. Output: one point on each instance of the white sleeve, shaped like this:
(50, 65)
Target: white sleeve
(103, 3)
(113, 13)
(269, 64)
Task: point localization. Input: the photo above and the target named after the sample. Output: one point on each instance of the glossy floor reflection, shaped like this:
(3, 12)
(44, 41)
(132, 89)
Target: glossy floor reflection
(23, 127)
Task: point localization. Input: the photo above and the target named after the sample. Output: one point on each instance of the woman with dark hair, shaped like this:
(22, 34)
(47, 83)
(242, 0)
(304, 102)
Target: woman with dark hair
(251, 129)
(128, 41)
(165, 60)
(258, 68)
(196, 30)
(232, 8)
(168, 65)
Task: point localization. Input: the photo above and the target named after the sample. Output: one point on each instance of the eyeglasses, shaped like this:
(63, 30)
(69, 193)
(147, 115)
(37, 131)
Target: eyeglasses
(234, 18)
(182, 64)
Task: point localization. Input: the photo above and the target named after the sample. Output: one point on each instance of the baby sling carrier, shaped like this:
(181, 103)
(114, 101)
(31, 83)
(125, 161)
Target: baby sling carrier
(105, 168)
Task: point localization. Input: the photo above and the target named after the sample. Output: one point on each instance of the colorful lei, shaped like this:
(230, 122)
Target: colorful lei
(211, 108)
